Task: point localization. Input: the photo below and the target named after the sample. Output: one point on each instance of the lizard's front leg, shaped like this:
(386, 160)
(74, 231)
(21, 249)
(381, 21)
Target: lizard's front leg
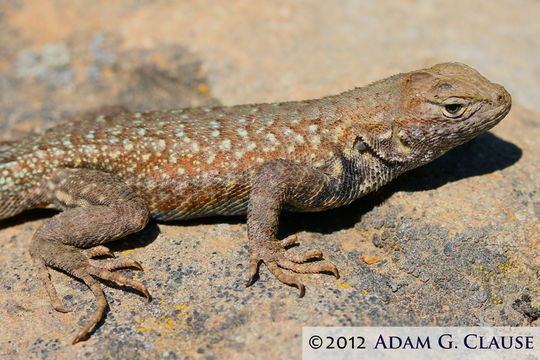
(279, 182)
(98, 208)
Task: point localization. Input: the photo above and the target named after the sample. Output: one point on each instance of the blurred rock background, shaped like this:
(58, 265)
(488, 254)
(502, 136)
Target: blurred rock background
(458, 240)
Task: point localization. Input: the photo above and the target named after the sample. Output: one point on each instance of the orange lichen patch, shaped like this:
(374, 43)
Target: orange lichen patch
(370, 259)
(203, 89)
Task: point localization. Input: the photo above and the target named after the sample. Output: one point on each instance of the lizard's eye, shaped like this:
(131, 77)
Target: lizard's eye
(453, 110)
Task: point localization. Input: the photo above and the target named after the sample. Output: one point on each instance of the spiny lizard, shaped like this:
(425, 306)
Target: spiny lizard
(109, 173)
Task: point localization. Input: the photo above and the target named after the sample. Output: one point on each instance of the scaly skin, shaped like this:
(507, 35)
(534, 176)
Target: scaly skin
(110, 172)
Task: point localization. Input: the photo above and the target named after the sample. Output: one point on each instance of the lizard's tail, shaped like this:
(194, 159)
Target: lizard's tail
(19, 178)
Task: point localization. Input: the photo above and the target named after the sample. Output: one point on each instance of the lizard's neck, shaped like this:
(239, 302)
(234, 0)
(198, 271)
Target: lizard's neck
(360, 117)
(367, 172)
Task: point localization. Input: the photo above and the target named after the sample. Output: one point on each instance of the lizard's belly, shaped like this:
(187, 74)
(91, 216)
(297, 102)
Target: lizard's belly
(187, 198)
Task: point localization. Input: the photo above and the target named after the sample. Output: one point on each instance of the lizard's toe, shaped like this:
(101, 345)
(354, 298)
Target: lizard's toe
(115, 264)
(45, 277)
(101, 305)
(302, 258)
(285, 278)
(119, 279)
(289, 240)
(99, 250)
(309, 268)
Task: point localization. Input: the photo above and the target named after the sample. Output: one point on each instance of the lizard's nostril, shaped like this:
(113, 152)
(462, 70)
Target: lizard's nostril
(501, 96)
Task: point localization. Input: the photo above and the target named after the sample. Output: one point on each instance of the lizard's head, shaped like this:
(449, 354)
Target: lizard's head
(434, 110)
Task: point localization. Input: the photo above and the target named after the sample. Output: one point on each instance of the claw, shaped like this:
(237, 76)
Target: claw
(335, 271)
(148, 296)
(61, 308)
(302, 290)
(139, 267)
(253, 269)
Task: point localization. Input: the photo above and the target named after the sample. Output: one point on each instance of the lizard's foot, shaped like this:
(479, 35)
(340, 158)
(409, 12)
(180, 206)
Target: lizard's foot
(80, 264)
(276, 258)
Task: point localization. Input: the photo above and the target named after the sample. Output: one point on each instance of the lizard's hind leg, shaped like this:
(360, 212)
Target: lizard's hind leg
(98, 208)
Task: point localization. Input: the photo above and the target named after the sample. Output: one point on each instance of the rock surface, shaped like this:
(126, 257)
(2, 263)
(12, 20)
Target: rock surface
(458, 240)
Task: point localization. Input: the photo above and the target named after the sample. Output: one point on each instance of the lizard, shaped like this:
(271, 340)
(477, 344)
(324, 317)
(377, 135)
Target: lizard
(108, 173)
